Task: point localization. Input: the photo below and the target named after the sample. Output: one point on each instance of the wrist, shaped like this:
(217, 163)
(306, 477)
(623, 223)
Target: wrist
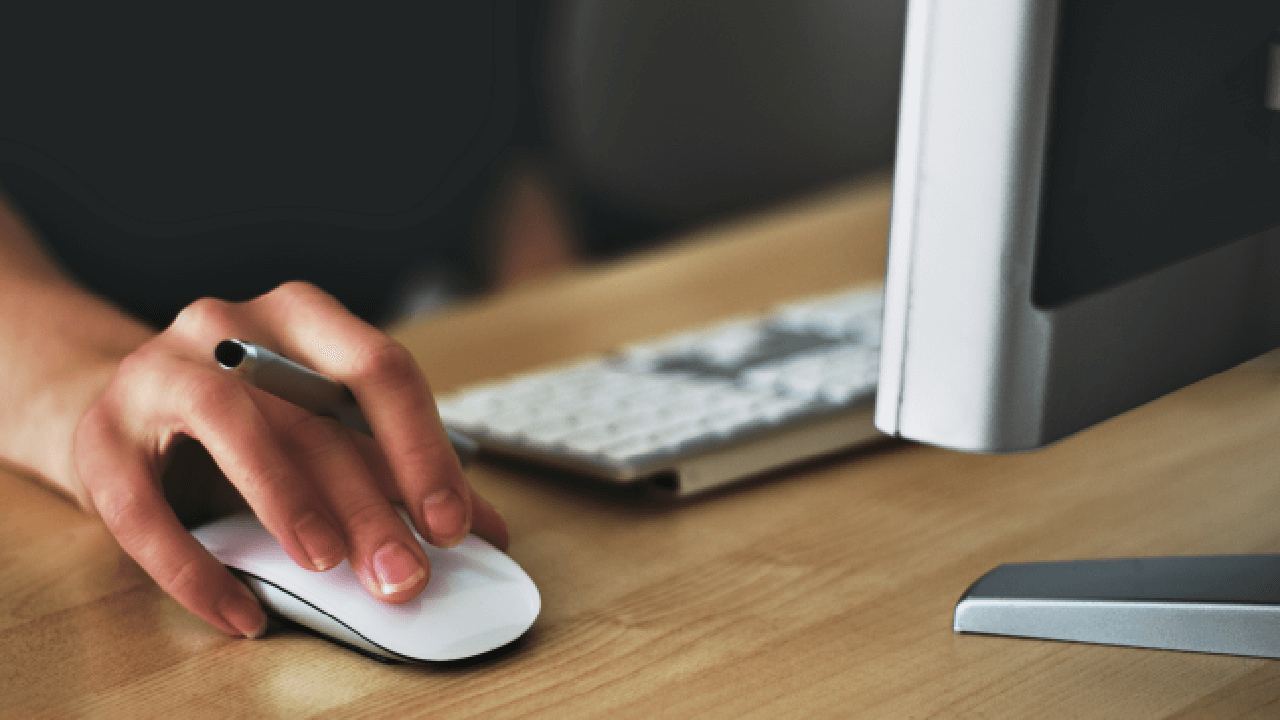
(45, 443)
(61, 354)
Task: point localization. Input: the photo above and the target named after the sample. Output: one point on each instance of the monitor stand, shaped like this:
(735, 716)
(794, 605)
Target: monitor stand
(1227, 604)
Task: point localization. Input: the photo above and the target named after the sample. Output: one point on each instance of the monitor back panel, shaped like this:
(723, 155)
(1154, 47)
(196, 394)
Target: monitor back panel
(1085, 210)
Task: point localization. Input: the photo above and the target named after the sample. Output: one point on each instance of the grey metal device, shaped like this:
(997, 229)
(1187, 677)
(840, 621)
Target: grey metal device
(308, 389)
(1086, 216)
(1227, 604)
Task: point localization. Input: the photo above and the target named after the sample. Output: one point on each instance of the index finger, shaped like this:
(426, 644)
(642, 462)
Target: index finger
(134, 509)
(317, 330)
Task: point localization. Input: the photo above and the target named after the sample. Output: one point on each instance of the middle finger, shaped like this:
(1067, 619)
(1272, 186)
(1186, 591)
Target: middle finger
(383, 551)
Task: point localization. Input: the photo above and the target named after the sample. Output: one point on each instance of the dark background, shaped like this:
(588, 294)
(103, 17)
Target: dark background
(167, 151)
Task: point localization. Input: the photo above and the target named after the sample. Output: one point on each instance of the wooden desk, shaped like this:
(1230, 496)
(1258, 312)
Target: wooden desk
(823, 591)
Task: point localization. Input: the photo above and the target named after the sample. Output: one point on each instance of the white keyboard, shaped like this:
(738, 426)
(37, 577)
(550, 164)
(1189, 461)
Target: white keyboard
(699, 408)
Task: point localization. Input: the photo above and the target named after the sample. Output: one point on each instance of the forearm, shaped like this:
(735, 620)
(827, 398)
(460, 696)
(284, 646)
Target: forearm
(59, 346)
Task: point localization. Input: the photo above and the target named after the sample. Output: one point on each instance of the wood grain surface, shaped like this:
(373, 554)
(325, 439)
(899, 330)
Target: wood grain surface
(820, 591)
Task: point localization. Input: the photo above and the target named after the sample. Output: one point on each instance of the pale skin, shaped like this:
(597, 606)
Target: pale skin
(93, 402)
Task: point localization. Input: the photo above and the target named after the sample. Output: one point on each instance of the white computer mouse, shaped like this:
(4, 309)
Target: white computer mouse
(478, 599)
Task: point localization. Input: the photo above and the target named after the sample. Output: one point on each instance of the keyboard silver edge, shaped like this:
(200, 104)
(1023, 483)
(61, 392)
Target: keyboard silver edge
(856, 419)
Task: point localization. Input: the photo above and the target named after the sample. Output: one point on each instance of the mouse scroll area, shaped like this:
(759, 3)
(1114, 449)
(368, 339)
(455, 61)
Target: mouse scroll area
(478, 598)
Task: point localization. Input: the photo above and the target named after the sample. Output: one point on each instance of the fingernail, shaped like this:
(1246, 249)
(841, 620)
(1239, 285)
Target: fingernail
(323, 544)
(446, 517)
(242, 611)
(396, 567)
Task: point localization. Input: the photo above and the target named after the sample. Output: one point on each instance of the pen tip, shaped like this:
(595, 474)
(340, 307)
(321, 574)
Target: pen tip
(229, 354)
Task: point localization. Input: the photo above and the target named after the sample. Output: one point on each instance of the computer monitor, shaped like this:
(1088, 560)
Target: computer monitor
(1086, 216)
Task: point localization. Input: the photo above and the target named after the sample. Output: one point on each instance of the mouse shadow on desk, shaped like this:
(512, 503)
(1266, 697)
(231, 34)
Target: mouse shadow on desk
(512, 650)
(647, 498)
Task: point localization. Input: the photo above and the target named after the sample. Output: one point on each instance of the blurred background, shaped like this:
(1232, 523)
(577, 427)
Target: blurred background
(642, 120)
(167, 151)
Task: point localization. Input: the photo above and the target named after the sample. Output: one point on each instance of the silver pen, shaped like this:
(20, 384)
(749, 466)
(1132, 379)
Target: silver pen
(308, 389)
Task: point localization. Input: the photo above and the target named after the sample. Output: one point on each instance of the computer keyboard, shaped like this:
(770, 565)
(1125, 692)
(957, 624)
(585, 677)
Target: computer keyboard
(696, 409)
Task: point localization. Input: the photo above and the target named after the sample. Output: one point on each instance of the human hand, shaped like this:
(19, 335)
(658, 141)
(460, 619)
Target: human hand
(323, 491)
